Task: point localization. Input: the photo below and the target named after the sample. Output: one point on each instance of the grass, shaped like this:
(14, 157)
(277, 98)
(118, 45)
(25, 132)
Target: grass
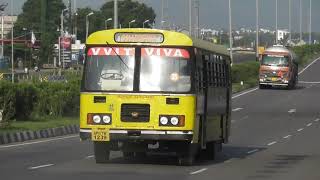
(18, 126)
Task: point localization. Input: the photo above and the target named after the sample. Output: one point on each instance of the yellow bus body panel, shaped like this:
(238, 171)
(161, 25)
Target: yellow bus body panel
(158, 106)
(171, 38)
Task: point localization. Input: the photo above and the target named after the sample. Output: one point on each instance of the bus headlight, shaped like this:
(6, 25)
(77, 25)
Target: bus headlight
(106, 119)
(96, 119)
(164, 120)
(174, 121)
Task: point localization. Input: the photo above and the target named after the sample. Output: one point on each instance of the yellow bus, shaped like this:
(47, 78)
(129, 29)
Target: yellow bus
(147, 90)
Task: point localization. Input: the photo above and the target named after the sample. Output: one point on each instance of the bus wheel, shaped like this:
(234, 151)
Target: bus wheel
(101, 152)
(128, 155)
(262, 86)
(211, 150)
(186, 160)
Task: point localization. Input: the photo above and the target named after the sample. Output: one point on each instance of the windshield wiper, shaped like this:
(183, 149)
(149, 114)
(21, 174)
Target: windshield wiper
(118, 56)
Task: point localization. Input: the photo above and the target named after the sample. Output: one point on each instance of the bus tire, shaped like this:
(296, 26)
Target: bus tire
(186, 160)
(211, 150)
(101, 152)
(262, 86)
(128, 155)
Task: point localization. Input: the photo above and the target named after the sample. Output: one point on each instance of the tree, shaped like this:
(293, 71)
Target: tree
(128, 10)
(30, 18)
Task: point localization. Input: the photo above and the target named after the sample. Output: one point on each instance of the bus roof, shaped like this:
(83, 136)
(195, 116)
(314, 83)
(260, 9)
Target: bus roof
(171, 38)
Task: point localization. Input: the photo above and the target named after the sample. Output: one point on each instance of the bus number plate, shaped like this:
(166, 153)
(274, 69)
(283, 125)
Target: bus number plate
(274, 79)
(100, 135)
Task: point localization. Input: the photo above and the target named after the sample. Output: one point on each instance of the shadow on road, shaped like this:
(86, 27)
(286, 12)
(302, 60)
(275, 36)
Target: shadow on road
(228, 152)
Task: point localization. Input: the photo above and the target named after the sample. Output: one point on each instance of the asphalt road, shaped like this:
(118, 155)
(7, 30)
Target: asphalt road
(275, 135)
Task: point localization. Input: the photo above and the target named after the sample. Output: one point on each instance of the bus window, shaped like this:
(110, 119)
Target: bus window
(165, 69)
(109, 69)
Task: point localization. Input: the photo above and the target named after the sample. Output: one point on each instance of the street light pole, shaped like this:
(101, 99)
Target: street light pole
(257, 30)
(87, 24)
(230, 32)
(300, 21)
(25, 43)
(146, 21)
(115, 22)
(190, 17)
(131, 22)
(12, 53)
(310, 23)
(290, 31)
(276, 21)
(61, 36)
(106, 22)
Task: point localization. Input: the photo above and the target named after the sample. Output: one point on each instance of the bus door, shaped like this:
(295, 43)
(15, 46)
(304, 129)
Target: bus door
(201, 92)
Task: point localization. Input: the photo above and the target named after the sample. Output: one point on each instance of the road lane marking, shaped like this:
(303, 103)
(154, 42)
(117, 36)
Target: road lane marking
(292, 111)
(199, 171)
(272, 143)
(317, 120)
(236, 109)
(37, 142)
(310, 124)
(308, 66)
(305, 82)
(233, 121)
(253, 151)
(88, 157)
(286, 137)
(41, 166)
(244, 93)
(301, 129)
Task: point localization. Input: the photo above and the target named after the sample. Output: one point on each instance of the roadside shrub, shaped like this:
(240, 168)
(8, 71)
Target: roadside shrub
(26, 97)
(7, 101)
(245, 71)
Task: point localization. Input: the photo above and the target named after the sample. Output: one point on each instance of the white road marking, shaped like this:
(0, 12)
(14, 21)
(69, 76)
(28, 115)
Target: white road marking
(286, 137)
(272, 143)
(236, 109)
(41, 166)
(301, 129)
(37, 142)
(199, 171)
(292, 111)
(233, 121)
(317, 120)
(310, 124)
(308, 66)
(88, 157)
(253, 151)
(305, 82)
(244, 93)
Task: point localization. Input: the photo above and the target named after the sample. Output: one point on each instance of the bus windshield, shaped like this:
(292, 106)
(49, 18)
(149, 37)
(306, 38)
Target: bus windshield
(272, 60)
(109, 69)
(165, 70)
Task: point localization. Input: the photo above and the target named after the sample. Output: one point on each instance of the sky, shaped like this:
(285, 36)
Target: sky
(214, 13)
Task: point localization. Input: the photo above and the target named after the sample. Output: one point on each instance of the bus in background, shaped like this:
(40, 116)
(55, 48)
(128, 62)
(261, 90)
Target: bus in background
(278, 67)
(147, 90)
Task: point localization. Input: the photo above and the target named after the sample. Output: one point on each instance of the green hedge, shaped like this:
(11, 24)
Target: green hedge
(23, 101)
(245, 71)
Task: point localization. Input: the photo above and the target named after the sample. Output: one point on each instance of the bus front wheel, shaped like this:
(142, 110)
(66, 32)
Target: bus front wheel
(101, 152)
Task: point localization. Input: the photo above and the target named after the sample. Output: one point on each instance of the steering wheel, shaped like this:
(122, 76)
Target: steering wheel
(112, 76)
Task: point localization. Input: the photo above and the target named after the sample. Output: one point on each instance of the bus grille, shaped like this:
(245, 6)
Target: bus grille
(135, 112)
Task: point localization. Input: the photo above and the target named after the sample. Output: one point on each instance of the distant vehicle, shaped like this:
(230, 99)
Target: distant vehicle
(278, 67)
(155, 90)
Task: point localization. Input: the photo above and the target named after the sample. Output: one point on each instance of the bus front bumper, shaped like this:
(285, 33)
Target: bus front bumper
(155, 135)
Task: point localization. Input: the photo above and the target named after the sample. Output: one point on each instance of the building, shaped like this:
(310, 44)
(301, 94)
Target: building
(8, 21)
(282, 34)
